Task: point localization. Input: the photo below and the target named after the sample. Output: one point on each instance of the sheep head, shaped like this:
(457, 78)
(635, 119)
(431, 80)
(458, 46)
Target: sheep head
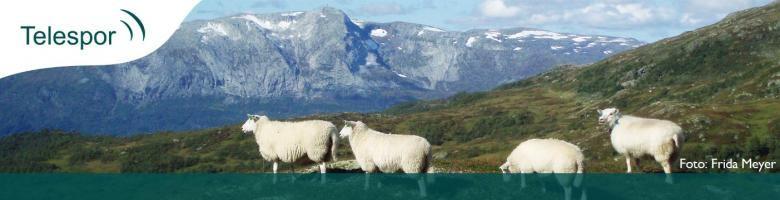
(349, 128)
(251, 123)
(609, 116)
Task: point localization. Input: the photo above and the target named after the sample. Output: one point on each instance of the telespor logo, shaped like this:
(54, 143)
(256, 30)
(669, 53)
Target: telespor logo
(80, 38)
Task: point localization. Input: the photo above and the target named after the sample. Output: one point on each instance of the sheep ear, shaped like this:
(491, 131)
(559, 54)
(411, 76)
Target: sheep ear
(599, 111)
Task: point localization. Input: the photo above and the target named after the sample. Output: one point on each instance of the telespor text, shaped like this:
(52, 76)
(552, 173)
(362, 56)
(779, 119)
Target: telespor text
(81, 38)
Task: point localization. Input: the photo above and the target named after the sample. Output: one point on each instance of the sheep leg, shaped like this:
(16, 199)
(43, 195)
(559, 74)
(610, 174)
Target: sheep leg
(322, 173)
(505, 171)
(275, 167)
(636, 163)
(322, 168)
(421, 185)
(522, 180)
(292, 173)
(567, 192)
(365, 185)
(666, 164)
(667, 167)
(628, 164)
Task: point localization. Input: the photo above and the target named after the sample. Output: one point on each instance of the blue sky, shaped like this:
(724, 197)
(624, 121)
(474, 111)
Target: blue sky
(648, 20)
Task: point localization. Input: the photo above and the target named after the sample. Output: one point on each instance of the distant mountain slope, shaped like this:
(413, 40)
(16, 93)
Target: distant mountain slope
(284, 64)
(720, 83)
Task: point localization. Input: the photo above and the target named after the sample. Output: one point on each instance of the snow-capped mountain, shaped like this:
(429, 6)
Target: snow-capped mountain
(212, 72)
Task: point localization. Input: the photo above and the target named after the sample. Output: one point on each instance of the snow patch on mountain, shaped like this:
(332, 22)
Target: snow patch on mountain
(292, 14)
(379, 32)
(580, 38)
(470, 41)
(428, 28)
(359, 23)
(538, 35)
(371, 59)
(400, 74)
(212, 29)
(285, 24)
(617, 40)
(493, 35)
(282, 25)
(215, 28)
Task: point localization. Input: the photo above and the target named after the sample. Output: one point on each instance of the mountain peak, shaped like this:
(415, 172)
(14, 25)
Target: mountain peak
(315, 61)
(332, 10)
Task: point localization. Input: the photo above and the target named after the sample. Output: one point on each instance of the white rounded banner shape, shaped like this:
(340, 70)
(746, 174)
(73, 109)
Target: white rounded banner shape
(84, 32)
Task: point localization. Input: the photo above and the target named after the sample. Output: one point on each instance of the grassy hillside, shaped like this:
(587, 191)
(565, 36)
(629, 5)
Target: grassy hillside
(721, 83)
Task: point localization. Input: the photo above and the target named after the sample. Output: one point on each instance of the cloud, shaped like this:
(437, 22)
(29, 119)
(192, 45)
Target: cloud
(647, 19)
(688, 18)
(700, 12)
(612, 14)
(603, 14)
(389, 8)
(498, 9)
(635, 12)
(619, 15)
(719, 5)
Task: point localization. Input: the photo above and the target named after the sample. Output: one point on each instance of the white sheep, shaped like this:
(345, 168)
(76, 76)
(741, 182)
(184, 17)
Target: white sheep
(547, 156)
(289, 142)
(376, 151)
(634, 137)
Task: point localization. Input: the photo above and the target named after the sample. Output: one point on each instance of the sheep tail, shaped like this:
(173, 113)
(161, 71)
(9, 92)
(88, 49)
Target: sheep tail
(428, 169)
(676, 140)
(426, 165)
(334, 144)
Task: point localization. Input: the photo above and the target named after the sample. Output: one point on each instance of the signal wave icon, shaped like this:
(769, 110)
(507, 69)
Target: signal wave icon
(137, 21)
